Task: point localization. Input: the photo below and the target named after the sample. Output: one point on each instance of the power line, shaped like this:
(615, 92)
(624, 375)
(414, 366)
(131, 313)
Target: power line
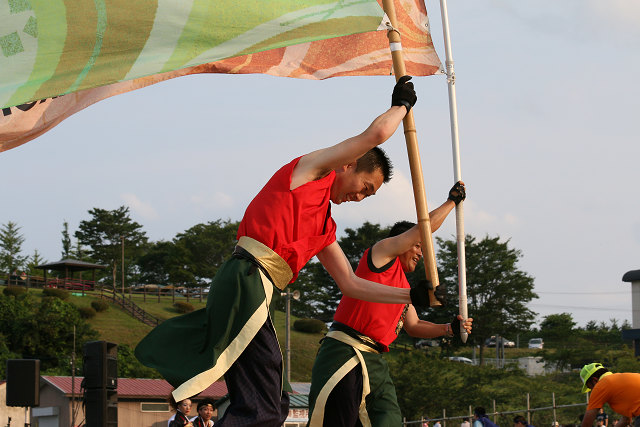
(573, 307)
(582, 293)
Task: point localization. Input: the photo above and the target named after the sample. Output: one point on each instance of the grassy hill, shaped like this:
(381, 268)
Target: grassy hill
(116, 326)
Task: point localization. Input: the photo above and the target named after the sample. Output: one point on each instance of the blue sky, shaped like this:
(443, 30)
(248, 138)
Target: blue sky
(548, 114)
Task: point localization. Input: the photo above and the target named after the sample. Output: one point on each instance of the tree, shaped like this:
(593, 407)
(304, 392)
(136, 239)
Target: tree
(66, 241)
(34, 261)
(163, 263)
(10, 247)
(42, 329)
(203, 248)
(103, 234)
(557, 327)
(498, 292)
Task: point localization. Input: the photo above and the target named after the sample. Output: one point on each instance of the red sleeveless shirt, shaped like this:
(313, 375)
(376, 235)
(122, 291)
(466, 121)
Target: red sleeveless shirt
(376, 320)
(295, 224)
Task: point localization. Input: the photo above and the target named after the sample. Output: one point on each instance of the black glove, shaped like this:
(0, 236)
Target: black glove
(440, 293)
(457, 193)
(455, 326)
(419, 294)
(403, 93)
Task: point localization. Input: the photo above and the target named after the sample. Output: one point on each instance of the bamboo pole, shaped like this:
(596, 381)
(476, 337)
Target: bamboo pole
(414, 159)
(455, 145)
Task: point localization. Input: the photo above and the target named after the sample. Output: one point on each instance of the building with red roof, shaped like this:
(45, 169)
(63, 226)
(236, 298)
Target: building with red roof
(141, 401)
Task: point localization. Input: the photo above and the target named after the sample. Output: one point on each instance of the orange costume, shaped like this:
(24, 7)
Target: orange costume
(621, 391)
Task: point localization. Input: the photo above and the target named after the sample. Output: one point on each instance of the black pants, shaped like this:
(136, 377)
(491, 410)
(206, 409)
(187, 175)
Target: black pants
(343, 403)
(254, 383)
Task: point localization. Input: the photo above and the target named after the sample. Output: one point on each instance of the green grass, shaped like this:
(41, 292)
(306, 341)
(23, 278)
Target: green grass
(117, 326)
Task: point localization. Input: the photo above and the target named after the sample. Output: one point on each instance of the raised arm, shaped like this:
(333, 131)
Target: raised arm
(388, 249)
(318, 164)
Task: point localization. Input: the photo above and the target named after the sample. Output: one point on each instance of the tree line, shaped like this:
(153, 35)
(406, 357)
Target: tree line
(499, 292)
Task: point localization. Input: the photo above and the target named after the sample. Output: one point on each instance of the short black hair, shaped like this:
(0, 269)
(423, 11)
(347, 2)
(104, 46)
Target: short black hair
(520, 419)
(597, 374)
(400, 227)
(375, 159)
(480, 411)
(205, 402)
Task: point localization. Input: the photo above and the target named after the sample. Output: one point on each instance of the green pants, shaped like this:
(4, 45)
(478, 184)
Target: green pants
(335, 360)
(196, 349)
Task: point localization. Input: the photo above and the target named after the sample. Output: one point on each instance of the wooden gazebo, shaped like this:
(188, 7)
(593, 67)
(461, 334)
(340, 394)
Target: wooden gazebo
(70, 266)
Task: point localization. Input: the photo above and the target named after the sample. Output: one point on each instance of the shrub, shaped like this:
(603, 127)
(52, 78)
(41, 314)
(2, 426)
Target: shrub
(87, 312)
(15, 291)
(99, 305)
(56, 293)
(183, 307)
(312, 326)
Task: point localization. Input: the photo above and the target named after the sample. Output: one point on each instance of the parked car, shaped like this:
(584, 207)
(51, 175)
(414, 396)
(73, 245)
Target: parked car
(536, 343)
(491, 342)
(461, 359)
(427, 343)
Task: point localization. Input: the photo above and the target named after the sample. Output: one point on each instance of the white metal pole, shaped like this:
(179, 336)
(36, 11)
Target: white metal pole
(453, 115)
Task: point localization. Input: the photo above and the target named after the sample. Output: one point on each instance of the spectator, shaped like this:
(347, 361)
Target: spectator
(481, 419)
(465, 423)
(602, 418)
(181, 417)
(205, 413)
(520, 421)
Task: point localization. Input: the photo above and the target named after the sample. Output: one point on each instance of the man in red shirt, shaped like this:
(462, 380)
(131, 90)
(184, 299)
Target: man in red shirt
(621, 391)
(285, 225)
(350, 380)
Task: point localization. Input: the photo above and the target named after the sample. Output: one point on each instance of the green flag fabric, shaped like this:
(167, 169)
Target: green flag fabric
(54, 47)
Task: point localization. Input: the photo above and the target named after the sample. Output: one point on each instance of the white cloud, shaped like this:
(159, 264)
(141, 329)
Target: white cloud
(145, 210)
(215, 202)
(623, 14)
(479, 221)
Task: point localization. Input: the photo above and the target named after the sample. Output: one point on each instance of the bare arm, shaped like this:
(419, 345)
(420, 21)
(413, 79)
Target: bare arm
(318, 164)
(388, 249)
(589, 416)
(337, 265)
(423, 329)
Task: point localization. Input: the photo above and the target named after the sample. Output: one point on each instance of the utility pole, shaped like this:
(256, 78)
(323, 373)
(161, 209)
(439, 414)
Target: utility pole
(122, 266)
(73, 379)
(287, 322)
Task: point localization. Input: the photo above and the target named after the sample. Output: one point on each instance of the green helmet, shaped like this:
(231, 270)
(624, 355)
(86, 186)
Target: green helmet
(586, 372)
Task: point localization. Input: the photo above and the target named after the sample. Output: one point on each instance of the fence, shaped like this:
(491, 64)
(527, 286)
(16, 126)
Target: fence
(496, 414)
(130, 307)
(152, 292)
(85, 287)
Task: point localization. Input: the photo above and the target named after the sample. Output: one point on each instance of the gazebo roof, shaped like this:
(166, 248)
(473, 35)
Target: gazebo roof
(70, 265)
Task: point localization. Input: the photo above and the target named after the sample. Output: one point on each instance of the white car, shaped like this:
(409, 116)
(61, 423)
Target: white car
(461, 359)
(536, 343)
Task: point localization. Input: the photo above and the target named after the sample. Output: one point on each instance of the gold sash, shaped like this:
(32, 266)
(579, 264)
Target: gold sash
(277, 267)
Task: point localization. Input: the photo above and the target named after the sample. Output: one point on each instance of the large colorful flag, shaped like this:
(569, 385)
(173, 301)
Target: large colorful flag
(60, 56)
